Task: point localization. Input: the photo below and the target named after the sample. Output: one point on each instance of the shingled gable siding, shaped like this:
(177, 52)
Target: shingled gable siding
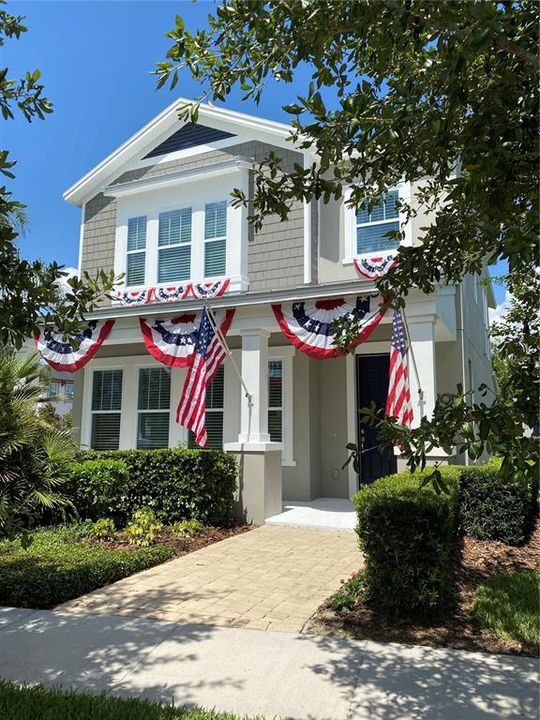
(99, 235)
(275, 254)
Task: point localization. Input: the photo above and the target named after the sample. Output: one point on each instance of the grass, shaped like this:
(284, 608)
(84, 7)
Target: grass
(61, 565)
(20, 702)
(508, 605)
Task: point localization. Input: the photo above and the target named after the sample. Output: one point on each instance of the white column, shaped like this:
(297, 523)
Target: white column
(422, 333)
(254, 414)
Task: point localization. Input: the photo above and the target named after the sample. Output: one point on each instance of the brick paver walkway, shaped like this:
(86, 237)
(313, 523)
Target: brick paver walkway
(271, 578)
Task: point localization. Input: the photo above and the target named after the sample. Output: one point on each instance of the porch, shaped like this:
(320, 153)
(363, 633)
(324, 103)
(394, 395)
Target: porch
(290, 440)
(322, 514)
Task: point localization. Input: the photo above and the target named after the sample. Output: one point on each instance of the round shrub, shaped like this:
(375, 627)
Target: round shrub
(408, 534)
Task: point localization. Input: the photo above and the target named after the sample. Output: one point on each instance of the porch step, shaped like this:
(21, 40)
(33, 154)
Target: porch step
(323, 513)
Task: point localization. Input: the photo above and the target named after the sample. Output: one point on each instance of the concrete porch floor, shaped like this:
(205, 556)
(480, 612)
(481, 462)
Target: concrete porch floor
(323, 513)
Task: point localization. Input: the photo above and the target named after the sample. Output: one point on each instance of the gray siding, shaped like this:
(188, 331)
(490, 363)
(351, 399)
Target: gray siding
(275, 254)
(99, 235)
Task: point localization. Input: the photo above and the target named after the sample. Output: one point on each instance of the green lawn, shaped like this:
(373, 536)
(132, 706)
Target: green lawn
(38, 703)
(61, 565)
(508, 605)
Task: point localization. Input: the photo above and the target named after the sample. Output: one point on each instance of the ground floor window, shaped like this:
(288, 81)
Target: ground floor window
(275, 400)
(106, 407)
(215, 394)
(153, 408)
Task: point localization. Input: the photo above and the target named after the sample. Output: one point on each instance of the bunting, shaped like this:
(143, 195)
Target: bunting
(311, 326)
(374, 268)
(173, 293)
(61, 356)
(172, 342)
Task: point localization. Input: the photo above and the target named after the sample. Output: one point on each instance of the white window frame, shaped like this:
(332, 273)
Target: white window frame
(286, 355)
(215, 239)
(155, 269)
(170, 195)
(129, 412)
(89, 386)
(349, 223)
(137, 251)
(153, 410)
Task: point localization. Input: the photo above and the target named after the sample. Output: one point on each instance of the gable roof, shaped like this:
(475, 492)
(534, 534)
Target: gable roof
(162, 129)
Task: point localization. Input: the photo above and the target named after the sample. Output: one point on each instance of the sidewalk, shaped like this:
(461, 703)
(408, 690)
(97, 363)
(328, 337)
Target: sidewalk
(304, 677)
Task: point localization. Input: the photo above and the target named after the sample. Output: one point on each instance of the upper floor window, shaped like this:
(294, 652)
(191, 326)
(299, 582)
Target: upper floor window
(174, 241)
(373, 226)
(171, 246)
(136, 251)
(215, 238)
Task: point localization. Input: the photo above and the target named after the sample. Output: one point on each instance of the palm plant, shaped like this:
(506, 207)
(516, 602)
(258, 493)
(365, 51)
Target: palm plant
(34, 455)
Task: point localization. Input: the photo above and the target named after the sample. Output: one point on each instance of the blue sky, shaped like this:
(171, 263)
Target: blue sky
(96, 60)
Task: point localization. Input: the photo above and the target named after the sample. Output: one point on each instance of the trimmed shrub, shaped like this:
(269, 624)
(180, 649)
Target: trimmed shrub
(96, 486)
(409, 536)
(57, 567)
(493, 507)
(176, 484)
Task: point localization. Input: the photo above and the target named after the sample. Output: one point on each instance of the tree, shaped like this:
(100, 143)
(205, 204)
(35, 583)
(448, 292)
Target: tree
(442, 94)
(34, 453)
(33, 295)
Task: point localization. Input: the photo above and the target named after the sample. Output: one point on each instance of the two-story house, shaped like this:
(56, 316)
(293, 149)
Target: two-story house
(158, 209)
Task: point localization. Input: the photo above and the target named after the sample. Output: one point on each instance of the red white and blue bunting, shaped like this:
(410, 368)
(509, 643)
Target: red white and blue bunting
(61, 356)
(212, 289)
(375, 267)
(310, 326)
(172, 342)
(174, 293)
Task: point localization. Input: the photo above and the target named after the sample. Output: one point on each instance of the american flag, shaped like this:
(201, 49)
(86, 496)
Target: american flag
(398, 402)
(208, 355)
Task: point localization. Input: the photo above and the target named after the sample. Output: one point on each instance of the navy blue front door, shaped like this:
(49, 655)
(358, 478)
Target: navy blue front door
(372, 386)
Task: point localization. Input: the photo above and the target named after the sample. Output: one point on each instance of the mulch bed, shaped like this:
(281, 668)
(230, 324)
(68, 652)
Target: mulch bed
(184, 545)
(454, 626)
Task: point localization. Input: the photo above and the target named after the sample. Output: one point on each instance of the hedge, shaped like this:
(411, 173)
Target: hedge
(409, 536)
(59, 566)
(177, 484)
(493, 507)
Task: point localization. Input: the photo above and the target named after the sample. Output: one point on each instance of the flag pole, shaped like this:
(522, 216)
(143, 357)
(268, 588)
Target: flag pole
(222, 340)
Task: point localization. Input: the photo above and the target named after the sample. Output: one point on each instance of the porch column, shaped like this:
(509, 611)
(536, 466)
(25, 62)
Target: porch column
(422, 332)
(259, 459)
(254, 415)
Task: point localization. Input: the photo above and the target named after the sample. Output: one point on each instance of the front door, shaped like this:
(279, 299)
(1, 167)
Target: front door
(372, 385)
